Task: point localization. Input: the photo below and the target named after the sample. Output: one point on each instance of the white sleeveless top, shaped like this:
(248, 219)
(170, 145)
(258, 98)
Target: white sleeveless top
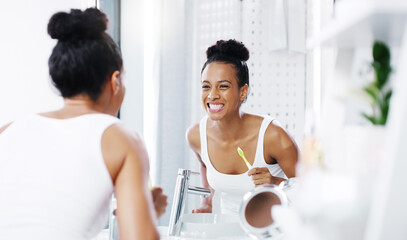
(54, 183)
(233, 187)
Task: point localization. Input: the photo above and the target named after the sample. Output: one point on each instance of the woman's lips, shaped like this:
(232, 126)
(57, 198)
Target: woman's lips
(215, 107)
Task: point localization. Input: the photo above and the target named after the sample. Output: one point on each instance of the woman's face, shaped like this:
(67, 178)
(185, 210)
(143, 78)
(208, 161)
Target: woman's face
(221, 95)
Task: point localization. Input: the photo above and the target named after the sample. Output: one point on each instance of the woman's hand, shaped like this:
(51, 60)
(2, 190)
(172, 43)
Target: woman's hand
(262, 176)
(160, 201)
(205, 208)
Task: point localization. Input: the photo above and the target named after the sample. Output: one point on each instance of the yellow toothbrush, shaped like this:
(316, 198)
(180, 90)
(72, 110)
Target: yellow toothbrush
(150, 183)
(240, 151)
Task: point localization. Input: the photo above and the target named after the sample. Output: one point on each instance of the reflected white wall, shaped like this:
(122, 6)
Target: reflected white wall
(152, 74)
(156, 103)
(173, 102)
(131, 44)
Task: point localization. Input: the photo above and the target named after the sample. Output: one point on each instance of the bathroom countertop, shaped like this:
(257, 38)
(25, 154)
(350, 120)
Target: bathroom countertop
(189, 238)
(164, 236)
(104, 235)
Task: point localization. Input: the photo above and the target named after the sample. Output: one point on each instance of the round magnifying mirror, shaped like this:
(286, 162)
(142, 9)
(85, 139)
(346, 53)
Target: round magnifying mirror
(256, 211)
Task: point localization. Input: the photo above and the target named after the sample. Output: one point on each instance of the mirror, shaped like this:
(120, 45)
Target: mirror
(255, 215)
(163, 98)
(258, 210)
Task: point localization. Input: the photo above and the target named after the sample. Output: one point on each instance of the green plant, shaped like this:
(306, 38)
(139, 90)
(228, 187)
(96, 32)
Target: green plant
(378, 90)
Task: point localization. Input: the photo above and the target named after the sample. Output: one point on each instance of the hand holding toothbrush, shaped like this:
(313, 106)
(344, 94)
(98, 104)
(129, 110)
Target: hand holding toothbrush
(262, 176)
(259, 175)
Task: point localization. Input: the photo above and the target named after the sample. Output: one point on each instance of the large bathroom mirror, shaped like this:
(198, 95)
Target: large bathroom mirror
(286, 76)
(164, 46)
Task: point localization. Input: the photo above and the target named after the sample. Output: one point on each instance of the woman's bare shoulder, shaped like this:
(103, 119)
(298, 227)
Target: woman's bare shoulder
(276, 135)
(193, 137)
(253, 117)
(252, 121)
(119, 144)
(117, 134)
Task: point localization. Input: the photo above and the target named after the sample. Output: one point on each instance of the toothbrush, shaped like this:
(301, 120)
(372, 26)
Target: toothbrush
(150, 183)
(240, 151)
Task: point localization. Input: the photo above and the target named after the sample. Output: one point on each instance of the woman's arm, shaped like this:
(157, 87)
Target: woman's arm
(206, 204)
(127, 161)
(281, 147)
(194, 141)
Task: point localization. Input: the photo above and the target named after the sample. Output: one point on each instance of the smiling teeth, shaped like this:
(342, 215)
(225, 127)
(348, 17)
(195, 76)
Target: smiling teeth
(215, 106)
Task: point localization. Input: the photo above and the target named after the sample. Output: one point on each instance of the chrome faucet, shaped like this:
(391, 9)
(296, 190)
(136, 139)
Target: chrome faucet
(178, 204)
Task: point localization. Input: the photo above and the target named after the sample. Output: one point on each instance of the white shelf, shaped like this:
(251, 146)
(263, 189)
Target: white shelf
(359, 23)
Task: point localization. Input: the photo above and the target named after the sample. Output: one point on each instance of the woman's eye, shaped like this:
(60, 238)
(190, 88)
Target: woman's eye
(205, 87)
(224, 86)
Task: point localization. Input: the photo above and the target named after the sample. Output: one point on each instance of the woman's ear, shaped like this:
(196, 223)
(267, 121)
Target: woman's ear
(115, 82)
(243, 92)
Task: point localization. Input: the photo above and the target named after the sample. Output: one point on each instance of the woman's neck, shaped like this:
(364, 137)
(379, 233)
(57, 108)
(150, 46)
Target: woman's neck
(81, 105)
(76, 106)
(229, 128)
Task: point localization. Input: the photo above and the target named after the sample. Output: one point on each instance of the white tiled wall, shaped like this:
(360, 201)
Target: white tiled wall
(277, 78)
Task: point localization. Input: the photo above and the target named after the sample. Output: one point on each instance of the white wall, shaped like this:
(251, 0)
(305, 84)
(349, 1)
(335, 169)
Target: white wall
(131, 44)
(173, 101)
(24, 50)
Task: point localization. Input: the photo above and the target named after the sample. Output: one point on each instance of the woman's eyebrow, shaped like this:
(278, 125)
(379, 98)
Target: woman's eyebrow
(221, 81)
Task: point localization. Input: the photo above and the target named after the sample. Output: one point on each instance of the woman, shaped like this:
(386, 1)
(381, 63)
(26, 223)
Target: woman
(267, 147)
(58, 169)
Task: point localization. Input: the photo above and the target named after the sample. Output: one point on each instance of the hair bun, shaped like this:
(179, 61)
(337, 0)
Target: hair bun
(231, 48)
(77, 24)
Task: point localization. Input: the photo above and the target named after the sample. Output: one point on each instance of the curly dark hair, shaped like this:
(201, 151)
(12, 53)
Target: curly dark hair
(231, 52)
(85, 56)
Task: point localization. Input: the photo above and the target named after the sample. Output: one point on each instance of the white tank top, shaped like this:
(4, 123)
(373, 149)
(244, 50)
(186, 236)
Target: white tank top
(232, 187)
(54, 183)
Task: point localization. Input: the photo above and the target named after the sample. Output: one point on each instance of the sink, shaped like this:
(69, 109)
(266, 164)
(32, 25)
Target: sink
(210, 225)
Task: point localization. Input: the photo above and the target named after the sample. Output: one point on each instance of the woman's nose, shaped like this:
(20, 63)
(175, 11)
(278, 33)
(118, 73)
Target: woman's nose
(213, 94)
